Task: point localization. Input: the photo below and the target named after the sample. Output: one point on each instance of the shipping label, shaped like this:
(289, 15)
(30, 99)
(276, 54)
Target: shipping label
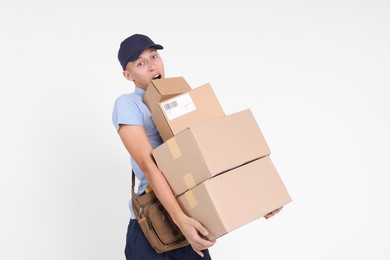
(178, 106)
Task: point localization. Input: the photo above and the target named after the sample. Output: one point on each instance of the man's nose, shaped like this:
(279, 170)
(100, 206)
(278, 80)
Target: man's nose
(152, 66)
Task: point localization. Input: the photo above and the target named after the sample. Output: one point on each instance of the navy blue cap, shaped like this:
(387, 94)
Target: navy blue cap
(132, 47)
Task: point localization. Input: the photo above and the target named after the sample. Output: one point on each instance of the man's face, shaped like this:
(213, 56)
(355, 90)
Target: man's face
(147, 67)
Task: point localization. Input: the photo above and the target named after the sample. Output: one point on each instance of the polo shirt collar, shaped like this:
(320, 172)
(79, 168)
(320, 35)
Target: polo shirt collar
(139, 91)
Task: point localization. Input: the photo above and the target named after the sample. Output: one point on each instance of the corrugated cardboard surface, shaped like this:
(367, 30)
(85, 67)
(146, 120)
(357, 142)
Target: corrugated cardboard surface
(181, 162)
(162, 89)
(230, 141)
(206, 106)
(235, 198)
(210, 148)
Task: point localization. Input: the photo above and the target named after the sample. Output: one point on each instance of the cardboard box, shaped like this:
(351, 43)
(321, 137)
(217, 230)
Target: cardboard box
(192, 107)
(235, 198)
(210, 148)
(162, 89)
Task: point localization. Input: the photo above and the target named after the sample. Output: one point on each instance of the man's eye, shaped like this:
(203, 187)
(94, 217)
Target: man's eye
(154, 56)
(140, 64)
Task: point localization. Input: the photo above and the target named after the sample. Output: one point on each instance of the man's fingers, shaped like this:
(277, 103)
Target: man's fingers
(201, 229)
(198, 252)
(195, 237)
(202, 243)
(271, 214)
(278, 210)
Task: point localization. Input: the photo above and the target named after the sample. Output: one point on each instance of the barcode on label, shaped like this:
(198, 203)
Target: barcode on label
(171, 105)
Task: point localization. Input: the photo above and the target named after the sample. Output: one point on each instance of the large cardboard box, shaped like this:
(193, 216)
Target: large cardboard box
(235, 198)
(209, 148)
(162, 89)
(192, 107)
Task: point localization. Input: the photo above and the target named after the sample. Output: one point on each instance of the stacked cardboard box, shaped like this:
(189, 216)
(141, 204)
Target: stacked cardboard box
(207, 149)
(188, 107)
(230, 200)
(160, 90)
(217, 165)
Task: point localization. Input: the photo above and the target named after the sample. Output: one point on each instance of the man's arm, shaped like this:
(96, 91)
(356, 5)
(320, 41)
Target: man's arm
(138, 145)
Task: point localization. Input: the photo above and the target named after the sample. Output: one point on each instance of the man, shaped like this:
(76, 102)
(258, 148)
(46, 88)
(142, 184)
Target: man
(141, 63)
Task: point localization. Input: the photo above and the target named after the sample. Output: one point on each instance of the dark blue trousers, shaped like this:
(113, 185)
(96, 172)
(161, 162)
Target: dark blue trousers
(138, 248)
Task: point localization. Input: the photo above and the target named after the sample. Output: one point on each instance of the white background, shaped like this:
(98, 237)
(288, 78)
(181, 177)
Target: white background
(314, 73)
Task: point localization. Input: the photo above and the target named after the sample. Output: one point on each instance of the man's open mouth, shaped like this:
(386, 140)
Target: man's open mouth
(158, 76)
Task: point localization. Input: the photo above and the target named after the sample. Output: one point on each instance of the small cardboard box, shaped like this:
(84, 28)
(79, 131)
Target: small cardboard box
(235, 198)
(192, 107)
(162, 89)
(210, 148)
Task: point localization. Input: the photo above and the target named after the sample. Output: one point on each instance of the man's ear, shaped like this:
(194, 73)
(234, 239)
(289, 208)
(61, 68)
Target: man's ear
(128, 75)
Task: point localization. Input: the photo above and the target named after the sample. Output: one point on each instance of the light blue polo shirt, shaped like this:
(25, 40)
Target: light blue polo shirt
(129, 109)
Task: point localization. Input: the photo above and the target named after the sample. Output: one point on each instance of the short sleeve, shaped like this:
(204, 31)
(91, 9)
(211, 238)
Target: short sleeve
(126, 111)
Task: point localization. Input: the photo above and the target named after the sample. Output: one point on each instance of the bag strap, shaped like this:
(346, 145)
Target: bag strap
(134, 200)
(132, 182)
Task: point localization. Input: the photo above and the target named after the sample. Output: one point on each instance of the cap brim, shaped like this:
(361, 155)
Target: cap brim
(138, 53)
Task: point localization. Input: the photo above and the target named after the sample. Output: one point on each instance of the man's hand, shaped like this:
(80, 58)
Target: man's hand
(191, 229)
(273, 213)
